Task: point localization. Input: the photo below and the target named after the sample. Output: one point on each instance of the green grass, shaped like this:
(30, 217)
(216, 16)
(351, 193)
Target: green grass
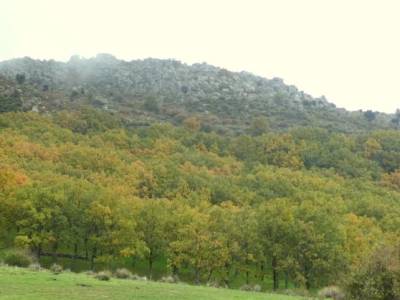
(18, 283)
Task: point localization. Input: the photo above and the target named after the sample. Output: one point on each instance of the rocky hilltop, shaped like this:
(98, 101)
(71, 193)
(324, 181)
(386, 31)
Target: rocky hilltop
(142, 91)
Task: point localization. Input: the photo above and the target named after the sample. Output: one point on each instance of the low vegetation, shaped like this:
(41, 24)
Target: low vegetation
(16, 283)
(17, 258)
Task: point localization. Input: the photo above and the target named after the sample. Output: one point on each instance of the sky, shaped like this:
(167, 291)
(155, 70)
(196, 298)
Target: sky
(346, 50)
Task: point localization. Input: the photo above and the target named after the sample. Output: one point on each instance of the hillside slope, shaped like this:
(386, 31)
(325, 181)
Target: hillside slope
(167, 90)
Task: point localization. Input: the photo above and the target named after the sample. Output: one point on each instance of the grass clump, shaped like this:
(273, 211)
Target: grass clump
(56, 269)
(138, 277)
(251, 288)
(123, 273)
(332, 292)
(169, 279)
(35, 267)
(103, 275)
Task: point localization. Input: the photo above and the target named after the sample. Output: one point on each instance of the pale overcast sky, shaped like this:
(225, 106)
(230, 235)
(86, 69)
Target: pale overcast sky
(347, 50)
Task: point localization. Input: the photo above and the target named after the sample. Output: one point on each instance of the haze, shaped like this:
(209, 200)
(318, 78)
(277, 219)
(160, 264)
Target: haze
(345, 50)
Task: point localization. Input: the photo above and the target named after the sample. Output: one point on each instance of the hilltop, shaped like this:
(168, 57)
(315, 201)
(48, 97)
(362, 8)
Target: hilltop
(143, 91)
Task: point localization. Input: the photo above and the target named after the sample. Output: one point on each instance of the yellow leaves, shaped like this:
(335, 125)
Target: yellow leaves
(20, 147)
(192, 123)
(282, 151)
(362, 235)
(30, 150)
(371, 148)
(164, 147)
(11, 178)
(392, 180)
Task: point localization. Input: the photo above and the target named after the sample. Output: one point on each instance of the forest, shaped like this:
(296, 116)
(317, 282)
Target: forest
(304, 208)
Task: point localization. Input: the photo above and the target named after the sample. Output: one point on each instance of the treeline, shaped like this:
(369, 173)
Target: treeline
(303, 207)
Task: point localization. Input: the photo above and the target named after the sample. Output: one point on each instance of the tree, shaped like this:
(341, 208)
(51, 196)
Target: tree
(277, 232)
(151, 224)
(20, 78)
(318, 242)
(199, 248)
(10, 103)
(370, 115)
(192, 123)
(396, 119)
(152, 104)
(259, 126)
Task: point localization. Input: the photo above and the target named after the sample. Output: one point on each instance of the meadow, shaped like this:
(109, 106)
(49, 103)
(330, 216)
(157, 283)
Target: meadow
(20, 283)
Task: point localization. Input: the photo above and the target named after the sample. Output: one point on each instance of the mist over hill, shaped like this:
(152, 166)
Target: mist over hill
(143, 91)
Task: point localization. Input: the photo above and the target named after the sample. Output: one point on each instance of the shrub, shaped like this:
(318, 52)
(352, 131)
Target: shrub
(122, 273)
(90, 273)
(246, 287)
(377, 278)
(18, 259)
(35, 267)
(333, 292)
(137, 277)
(56, 269)
(169, 279)
(257, 288)
(251, 288)
(103, 276)
(297, 292)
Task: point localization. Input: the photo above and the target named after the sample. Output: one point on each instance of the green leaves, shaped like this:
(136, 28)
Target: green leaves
(305, 206)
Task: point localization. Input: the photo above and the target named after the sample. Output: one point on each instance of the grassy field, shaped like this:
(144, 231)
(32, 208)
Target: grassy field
(18, 283)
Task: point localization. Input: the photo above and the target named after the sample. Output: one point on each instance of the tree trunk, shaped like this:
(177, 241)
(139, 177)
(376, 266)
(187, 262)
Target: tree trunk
(75, 250)
(39, 251)
(286, 280)
(175, 270)
(307, 276)
(55, 247)
(227, 273)
(150, 268)
(275, 274)
(94, 251)
(262, 272)
(209, 275)
(197, 276)
(86, 248)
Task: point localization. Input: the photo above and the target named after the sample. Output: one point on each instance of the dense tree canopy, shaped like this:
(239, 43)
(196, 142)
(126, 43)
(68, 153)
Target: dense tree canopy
(303, 207)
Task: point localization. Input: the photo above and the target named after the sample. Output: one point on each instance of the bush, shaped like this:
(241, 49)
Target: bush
(35, 267)
(122, 274)
(333, 292)
(246, 287)
(137, 277)
(257, 288)
(378, 278)
(252, 288)
(103, 276)
(301, 292)
(90, 273)
(18, 259)
(169, 279)
(56, 269)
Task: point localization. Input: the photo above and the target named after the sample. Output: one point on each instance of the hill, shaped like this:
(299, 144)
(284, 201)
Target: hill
(90, 179)
(167, 90)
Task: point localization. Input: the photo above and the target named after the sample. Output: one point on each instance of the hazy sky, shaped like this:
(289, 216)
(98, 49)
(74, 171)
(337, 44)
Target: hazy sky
(347, 50)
